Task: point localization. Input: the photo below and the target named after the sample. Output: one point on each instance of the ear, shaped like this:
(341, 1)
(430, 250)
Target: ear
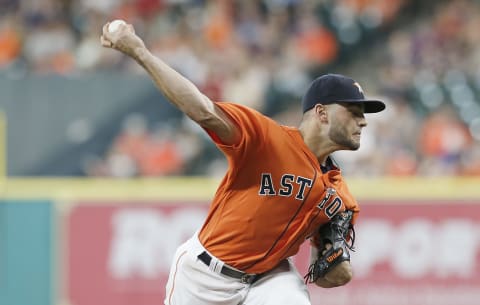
(321, 113)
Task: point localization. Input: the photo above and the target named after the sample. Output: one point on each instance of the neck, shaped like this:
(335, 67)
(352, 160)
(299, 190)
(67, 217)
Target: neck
(320, 145)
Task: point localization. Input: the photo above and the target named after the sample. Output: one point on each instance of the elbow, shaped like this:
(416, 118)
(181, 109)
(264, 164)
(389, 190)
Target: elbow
(203, 117)
(203, 114)
(209, 118)
(210, 121)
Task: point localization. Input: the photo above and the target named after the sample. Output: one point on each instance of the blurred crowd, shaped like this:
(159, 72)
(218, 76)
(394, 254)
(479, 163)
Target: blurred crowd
(263, 53)
(431, 72)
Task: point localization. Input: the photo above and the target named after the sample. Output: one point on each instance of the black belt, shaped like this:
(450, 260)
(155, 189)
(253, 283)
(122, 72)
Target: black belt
(245, 278)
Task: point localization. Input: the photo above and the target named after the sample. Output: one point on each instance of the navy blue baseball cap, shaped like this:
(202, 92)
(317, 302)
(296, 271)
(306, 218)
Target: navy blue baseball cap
(336, 88)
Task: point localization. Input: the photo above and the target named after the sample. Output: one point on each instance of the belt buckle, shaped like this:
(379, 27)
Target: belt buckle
(247, 278)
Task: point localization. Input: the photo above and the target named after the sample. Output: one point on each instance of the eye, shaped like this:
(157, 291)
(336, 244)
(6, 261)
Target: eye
(356, 111)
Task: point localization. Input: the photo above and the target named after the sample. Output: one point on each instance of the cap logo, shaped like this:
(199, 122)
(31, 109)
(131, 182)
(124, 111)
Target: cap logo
(359, 87)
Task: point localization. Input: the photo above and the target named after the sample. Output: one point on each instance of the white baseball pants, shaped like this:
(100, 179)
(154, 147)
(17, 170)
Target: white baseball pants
(192, 282)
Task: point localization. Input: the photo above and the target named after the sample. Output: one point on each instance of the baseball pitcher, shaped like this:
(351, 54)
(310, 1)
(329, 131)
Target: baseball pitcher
(281, 189)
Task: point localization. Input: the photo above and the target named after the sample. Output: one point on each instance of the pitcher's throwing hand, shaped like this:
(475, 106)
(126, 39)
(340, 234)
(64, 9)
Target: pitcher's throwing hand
(121, 37)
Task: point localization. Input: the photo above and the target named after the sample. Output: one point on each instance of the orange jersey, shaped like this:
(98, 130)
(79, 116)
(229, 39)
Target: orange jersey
(273, 196)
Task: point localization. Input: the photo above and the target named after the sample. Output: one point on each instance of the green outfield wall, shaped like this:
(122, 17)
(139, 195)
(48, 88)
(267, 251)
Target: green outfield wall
(26, 252)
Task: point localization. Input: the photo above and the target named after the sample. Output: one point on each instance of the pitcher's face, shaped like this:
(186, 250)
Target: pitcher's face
(347, 121)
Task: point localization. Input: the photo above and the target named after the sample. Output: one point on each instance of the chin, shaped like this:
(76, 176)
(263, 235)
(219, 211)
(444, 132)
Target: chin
(347, 143)
(350, 147)
(354, 146)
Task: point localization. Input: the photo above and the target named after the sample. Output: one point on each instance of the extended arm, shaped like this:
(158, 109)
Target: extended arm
(177, 89)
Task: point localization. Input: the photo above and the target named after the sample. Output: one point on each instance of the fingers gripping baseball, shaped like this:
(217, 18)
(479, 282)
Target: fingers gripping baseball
(107, 38)
(105, 42)
(120, 36)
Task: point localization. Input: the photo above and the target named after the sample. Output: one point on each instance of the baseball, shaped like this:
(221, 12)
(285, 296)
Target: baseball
(115, 24)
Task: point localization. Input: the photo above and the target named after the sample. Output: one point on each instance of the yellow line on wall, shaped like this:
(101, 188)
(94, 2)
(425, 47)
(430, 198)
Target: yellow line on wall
(109, 189)
(436, 188)
(203, 188)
